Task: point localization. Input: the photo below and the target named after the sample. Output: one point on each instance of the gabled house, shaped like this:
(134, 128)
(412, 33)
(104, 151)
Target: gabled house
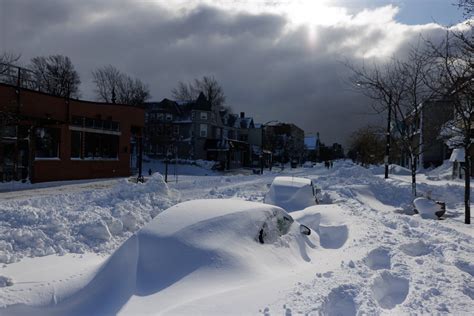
(195, 130)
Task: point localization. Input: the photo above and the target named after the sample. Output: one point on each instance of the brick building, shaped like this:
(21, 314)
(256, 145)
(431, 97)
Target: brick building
(49, 138)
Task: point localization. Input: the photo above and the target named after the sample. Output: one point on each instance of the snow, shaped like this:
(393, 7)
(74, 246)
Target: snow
(291, 193)
(427, 208)
(116, 247)
(457, 155)
(79, 221)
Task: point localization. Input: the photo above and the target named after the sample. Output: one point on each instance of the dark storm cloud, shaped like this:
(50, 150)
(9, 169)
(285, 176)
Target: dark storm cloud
(268, 69)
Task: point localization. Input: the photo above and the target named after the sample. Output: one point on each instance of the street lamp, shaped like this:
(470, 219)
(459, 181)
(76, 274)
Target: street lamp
(262, 146)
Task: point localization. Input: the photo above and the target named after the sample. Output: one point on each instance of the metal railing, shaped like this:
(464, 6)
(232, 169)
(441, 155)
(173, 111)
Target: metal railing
(19, 77)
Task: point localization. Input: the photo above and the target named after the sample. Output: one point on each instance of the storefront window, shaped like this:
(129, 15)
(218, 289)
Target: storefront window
(47, 142)
(100, 146)
(76, 144)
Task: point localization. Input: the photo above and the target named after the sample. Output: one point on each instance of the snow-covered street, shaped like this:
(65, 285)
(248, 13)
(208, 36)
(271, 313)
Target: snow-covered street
(369, 253)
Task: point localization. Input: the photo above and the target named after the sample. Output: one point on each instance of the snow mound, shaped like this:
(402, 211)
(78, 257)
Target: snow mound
(443, 172)
(392, 169)
(328, 221)
(427, 208)
(5, 281)
(210, 244)
(91, 220)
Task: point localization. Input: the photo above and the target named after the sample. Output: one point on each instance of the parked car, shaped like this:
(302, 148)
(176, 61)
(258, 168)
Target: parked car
(292, 193)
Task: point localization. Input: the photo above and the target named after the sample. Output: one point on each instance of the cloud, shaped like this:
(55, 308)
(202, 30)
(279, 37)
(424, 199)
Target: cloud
(270, 66)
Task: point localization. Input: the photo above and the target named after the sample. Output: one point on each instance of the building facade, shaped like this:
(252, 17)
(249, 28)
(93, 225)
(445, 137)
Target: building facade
(49, 138)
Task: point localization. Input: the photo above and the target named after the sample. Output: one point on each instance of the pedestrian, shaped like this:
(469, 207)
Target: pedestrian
(149, 172)
(330, 162)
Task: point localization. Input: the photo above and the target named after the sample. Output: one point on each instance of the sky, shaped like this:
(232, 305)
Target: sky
(275, 59)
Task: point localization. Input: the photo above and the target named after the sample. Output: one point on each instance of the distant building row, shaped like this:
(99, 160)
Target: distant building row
(197, 130)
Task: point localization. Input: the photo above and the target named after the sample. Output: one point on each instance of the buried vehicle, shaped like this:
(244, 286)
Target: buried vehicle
(195, 247)
(292, 193)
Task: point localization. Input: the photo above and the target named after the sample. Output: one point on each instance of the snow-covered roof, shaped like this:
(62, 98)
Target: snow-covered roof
(291, 181)
(457, 155)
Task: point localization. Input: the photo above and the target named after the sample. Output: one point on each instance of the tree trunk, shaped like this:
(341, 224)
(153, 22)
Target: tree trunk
(467, 185)
(413, 174)
(387, 144)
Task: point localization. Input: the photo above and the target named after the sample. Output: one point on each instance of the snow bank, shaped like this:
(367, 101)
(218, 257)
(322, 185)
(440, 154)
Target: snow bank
(392, 169)
(91, 220)
(443, 172)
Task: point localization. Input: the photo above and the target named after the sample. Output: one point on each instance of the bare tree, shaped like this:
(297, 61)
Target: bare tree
(113, 86)
(209, 86)
(366, 145)
(416, 71)
(7, 71)
(55, 74)
(455, 74)
(385, 86)
(467, 6)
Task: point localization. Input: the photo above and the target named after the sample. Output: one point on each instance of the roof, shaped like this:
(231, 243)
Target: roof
(457, 155)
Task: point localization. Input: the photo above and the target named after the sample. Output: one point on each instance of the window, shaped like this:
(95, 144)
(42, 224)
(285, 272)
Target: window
(203, 116)
(176, 130)
(159, 116)
(203, 130)
(100, 146)
(87, 122)
(169, 117)
(76, 144)
(47, 142)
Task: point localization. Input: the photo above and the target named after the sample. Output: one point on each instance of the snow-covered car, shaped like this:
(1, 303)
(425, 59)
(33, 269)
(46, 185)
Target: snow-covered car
(195, 247)
(292, 193)
(308, 164)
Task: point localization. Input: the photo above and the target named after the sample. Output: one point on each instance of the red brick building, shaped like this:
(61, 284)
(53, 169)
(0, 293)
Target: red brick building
(49, 138)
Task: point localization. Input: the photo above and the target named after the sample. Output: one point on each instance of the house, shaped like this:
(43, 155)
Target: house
(285, 141)
(424, 132)
(49, 138)
(196, 130)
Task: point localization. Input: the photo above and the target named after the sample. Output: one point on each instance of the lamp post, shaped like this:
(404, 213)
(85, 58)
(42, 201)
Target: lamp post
(262, 146)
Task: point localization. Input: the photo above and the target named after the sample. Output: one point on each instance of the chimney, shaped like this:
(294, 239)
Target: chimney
(242, 114)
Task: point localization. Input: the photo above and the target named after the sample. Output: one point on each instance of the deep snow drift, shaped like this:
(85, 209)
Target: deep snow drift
(369, 253)
(212, 240)
(76, 222)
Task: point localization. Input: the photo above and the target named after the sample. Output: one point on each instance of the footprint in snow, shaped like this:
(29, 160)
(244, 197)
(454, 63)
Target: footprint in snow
(389, 290)
(340, 301)
(378, 258)
(465, 266)
(416, 249)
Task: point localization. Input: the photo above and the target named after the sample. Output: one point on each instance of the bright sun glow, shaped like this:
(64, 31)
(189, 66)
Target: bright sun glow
(312, 13)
